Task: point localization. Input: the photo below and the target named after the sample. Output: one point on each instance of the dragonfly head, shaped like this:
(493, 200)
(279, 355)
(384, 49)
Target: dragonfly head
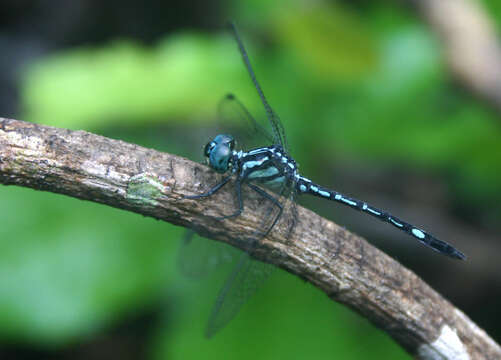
(219, 152)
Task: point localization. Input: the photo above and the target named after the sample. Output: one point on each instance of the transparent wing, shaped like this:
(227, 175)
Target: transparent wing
(278, 129)
(252, 134)
(243, 282)
(198, 256)
(249, 274)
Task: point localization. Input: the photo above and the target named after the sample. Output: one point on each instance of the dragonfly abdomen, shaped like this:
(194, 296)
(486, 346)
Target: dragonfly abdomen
(307, 186)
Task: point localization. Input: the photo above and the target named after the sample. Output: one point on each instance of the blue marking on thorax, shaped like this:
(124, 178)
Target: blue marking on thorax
(270, 171)
(303, 188)
(253, 163)
(258, 151)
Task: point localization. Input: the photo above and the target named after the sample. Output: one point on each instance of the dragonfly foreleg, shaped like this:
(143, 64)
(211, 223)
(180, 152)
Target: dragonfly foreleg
(211, 191)
(238, 191)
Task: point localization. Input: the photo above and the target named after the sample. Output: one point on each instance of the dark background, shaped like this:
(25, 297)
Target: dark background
(370, 108)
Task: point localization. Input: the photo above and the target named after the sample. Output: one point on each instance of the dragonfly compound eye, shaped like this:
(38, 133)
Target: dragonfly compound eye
(219, 158)
(208, 148)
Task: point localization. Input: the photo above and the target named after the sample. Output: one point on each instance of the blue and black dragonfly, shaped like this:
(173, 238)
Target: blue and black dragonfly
(272, 167)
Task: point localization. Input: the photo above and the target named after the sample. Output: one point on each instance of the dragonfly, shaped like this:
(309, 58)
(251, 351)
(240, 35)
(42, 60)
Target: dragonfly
(271, 167)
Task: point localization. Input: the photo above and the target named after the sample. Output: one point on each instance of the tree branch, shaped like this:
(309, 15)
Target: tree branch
(344, 266)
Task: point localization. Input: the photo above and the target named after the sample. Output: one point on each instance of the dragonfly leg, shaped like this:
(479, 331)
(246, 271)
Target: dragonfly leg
(238, 190)
(273, 200)
(211, 191)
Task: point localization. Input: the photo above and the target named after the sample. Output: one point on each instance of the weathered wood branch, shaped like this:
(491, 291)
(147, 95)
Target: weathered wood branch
(344, 266)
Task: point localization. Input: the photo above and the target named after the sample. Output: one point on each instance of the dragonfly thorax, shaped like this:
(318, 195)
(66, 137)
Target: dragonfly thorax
(268, 165)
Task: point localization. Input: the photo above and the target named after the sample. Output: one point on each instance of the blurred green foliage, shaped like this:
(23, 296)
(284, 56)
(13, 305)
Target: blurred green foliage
(64, 275)
(125, 82)
(372, 87)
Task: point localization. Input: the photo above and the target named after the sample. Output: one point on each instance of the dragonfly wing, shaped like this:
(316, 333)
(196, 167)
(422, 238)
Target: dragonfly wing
(198, 256)
(249, 274)
(253, 133)
(244, 281)
(278, 130)
(276, 124)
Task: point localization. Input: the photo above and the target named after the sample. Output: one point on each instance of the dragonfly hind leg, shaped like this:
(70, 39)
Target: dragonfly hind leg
(274, 201)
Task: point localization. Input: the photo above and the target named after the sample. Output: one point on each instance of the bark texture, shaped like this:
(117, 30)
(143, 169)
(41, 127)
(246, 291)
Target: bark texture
(343, 265)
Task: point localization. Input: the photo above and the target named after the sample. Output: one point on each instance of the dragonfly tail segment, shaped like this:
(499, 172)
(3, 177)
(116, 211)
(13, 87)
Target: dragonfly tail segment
(307, 186)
